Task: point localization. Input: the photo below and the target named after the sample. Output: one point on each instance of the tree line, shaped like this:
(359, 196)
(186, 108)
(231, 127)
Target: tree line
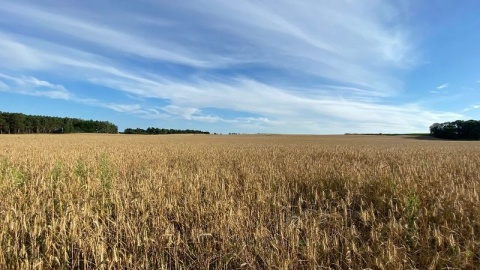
(457, 130)
(19, 123)
(156, 131)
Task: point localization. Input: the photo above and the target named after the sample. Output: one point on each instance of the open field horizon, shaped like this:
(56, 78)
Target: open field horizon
(100, 201)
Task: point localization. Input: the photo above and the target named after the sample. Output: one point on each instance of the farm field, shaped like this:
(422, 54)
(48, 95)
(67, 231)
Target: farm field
(238, 202)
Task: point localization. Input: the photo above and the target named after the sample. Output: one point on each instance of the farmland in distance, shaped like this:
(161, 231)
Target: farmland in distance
(246, 201)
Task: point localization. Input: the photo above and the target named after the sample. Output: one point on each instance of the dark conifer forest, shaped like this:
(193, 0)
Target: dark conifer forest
(19, 123)
(157, 131)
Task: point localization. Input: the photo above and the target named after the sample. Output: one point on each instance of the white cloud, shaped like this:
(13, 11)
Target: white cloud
(15, 54)
(3, 86)
(108, 37)
(129, 108)
(354, 51)
(184, 112)
(347, 42)
(443, 86)
(354, 44)
(190, 114)
(286, 111)
(281, 107)
(32, 86)
(473, 107)
(27, 85)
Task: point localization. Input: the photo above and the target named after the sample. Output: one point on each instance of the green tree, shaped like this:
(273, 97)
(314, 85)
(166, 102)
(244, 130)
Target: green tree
(21, 123)
(17, 123)
(457, 130)
(4, 127)
(68, 127)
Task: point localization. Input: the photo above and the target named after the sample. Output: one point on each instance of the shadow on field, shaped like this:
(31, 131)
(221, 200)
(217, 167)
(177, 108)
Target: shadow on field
(423, 138)
(431, 138)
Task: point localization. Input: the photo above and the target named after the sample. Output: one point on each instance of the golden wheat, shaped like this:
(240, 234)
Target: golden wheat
(271, 202)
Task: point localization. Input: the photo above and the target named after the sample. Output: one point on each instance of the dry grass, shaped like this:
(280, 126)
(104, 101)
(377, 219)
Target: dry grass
(196, 202)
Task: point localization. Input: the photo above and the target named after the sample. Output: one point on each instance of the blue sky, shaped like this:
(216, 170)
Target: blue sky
(317, 67)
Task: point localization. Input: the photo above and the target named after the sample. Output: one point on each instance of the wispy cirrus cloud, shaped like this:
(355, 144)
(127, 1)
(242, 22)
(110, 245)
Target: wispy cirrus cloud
(472, 107)
(292, 37)
(32, 86)
(300, 35)
(343, 61)
(103, 36)
(285, 107)
(3, 86)
(443, 86)
(277, 108)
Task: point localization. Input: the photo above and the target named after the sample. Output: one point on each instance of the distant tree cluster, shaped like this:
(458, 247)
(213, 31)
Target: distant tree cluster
(19, 123)
(156, 131)
(457, 130)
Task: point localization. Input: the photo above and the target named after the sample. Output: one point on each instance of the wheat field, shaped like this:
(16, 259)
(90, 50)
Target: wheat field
(238, 202)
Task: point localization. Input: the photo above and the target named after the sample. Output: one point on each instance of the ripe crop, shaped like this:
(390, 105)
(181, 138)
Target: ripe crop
(253, 202)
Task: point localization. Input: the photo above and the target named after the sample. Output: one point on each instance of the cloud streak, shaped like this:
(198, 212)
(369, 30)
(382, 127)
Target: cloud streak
(293, 37)
(247, 95)
(472, 107)
(33, 87)
(443, 86)
(342, 62)
(105, 37)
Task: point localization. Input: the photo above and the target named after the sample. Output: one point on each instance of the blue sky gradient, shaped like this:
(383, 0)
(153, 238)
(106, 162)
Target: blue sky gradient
(316, 67)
